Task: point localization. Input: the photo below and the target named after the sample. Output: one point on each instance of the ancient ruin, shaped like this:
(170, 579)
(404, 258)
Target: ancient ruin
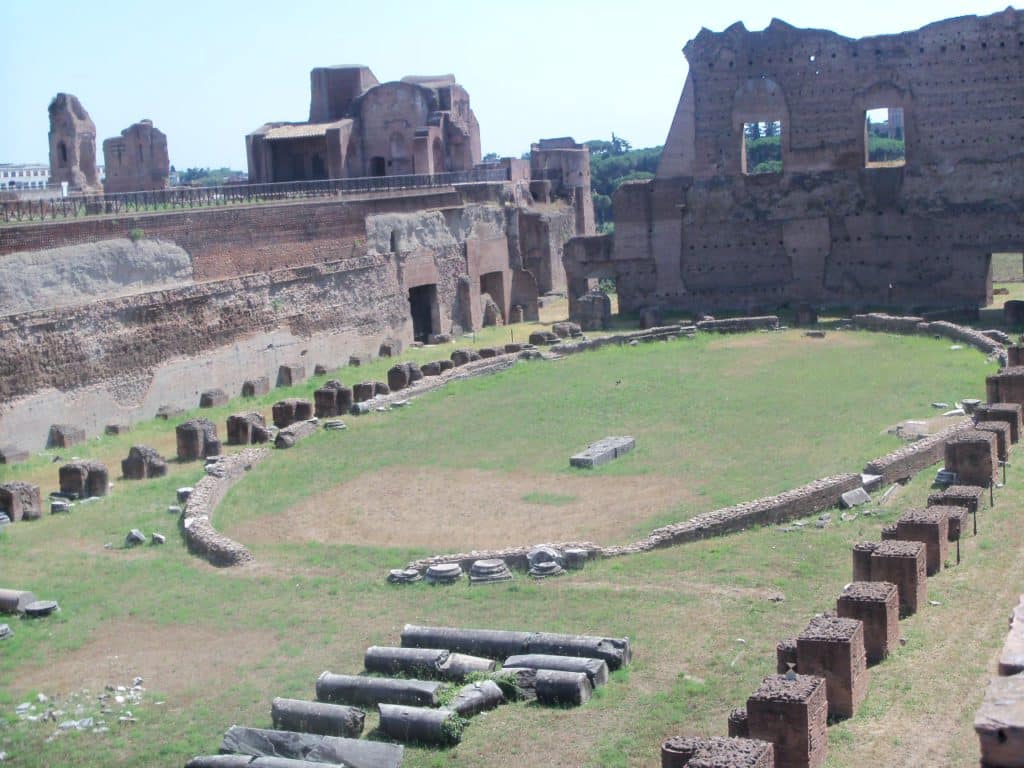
(803, 166)
(137, 160)
(360, 127)
(72, 145)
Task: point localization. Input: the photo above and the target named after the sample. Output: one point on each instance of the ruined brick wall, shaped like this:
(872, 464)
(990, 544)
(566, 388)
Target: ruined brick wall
(828, 229)
(542, 239)
(908, 460)
(229, 242)
(137, 160)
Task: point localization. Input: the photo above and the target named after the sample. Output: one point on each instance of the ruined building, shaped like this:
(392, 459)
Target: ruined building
(803, 166)
(72, 145)
(137, 160)
(360, 127)
(106, 319)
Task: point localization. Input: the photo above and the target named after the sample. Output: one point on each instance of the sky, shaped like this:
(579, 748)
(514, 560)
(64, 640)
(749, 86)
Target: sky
(208, 72)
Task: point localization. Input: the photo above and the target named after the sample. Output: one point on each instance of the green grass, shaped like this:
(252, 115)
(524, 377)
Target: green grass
(734, 418)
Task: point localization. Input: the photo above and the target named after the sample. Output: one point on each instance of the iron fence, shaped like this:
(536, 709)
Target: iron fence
(184, 198)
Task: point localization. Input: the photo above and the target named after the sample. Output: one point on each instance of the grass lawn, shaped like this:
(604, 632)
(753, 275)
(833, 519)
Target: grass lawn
(717, 420)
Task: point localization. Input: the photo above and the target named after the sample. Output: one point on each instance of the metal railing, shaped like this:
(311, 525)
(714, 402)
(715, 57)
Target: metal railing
(184, 198)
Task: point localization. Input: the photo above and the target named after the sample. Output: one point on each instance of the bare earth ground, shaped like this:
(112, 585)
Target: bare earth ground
(179, 661)
(455, 510)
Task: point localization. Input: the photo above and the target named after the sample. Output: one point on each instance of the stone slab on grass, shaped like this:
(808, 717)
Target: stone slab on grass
(603, 451)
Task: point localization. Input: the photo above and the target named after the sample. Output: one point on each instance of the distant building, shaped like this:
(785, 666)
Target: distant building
(18, 176)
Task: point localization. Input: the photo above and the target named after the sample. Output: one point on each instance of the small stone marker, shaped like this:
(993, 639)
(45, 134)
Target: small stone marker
(602, 452)
(211, 398)
(854, 498)
(5, 632)
(58, 506)
(158, 538)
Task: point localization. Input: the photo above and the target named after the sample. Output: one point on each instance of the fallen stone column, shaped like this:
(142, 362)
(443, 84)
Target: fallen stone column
(371, 691)
(440, 727)
(518, 684)
(290, 435)
(475, 698)
(220, 761)
(15, 600)
(557, 688)
(596, 670)
(317, 717)
(499, 644)
(260, 742)
(432, 662)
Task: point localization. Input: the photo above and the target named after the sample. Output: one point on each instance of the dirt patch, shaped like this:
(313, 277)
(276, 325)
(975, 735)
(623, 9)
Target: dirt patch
(793, 339)
(178, 661)
(456, 510)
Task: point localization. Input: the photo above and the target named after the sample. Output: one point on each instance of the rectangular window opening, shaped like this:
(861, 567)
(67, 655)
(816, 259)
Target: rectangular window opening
(762, 147)
(885, 145)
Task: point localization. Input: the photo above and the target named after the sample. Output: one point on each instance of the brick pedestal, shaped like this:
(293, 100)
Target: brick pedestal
(833, 648)
(969, 496)
(694, 752)
(972, 455)
(903, 563)
(1007, 386)
(930, 526)
(84, 479)
(785, 654)
(1008, 412)
(877, 605)
(862, 560)
(1002, 432)
(246, 429)
(197, 439)
(792, 715)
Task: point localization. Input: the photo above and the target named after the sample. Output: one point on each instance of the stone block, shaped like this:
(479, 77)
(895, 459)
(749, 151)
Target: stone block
(1013, 312)
(290, 410)
(167, 412)
(21, 501)
(604, 450)
(931, 526)
(854, 498)
(1014, 355)
(256, 387)
(430, 369)
(805, 315)
(327, 400)
(463, 356)
(972, 455)
(446, 365)
(1008, 412)
(291, 434)
(592, 311)
(246, 428)
(543, 338)
(143, 462)
(999, 723)
(84, 479)
(213, 398)
(197, 439)
(785, 656)
(290, 375)
(398, 377)
(903, 563)
(792, 715)
(10, 454)
(362, 391)
(889, 532)
(567, 330)
(487, 352)
(388, 349)
(877, 605)
(361, 358)
(862, 560)
(833, 648)
(440, 338)
(717, 752)
(65, 436)
(117, 429)
(1002, 432)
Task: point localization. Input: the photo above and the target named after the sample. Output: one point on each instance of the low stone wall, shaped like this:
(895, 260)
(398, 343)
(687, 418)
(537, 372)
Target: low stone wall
(200, 535)
(910, 459)
(739, 324)
(660, 333)
(790, 505)
(878, 321)
(799, 502)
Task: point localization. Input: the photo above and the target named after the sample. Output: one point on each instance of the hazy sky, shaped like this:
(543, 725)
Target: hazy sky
(208, 72)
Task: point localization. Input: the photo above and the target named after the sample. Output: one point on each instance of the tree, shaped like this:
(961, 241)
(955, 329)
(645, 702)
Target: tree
(491, 157)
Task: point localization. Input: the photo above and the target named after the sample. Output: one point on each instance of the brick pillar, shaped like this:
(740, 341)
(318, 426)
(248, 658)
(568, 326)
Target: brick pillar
(904, 564)
(877, 605)
(930, 526)
(792, 715)
(833, 648)
(972, 455)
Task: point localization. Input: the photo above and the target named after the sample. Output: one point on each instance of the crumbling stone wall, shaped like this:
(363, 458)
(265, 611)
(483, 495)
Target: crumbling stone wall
(72, 145)
(828, 229)
(910, 459)
(200, 535)
(137, 160)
